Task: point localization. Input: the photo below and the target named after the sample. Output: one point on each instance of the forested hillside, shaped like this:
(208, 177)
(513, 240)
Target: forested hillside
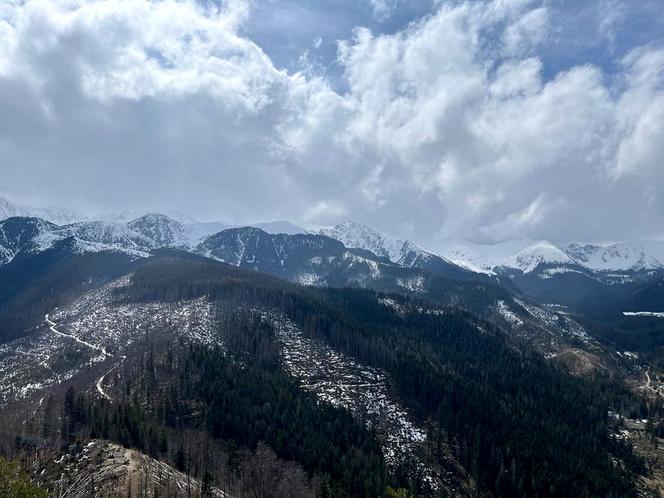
(522, 426)
(257, 368)
(33, 284)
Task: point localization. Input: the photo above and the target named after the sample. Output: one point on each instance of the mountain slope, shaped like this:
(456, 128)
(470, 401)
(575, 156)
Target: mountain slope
(254, 248)
(399, 251)
(110, 470)
(518, 254)
(162, 230)
(137, 239)
(362, 324)
(323, 261)
(185, 344)
(32, 284)
(24, 236)
(353, 234)
(574, 276)
(539, 253)
(303, 258)
(112, 235)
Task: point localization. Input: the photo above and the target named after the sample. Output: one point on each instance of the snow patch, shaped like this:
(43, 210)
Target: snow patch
(652, 314)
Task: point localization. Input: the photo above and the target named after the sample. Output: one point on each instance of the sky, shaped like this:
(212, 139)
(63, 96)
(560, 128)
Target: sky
(481, 120)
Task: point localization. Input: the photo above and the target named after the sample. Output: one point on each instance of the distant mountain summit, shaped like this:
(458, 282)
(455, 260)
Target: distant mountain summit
(348, 253)
(114, 235)
(526, 255)
(127, 215)
(539, 253)
(395, 249)
(519, 254)
(280, 254)
(400, 251)
(162, 230)
(625, 256)
(59, 216)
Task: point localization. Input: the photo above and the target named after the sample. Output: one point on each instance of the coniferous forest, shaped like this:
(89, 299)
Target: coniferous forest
(523, 426)
(519, 425)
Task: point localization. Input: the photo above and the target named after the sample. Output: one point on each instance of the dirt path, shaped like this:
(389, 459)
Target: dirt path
(51, 325)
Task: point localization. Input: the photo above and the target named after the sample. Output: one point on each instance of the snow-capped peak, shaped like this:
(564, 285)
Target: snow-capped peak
(59, 216)
(357, 235)
(128, 215)
(623, 256)
(522, 254)
(541, 252)
(161, 229)
(482, 258)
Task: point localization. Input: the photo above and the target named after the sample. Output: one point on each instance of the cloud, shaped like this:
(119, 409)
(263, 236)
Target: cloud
(640, 114)
(484, 130)
(612, 14)
(527, 31)
(383, 8)
(148, 103)
(453, 126)
(325, 212)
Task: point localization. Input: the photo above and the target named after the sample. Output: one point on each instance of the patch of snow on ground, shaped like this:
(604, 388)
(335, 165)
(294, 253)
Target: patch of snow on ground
(413, 284)
(95, 330)
(555, 320)
(651, 314)
(504, 310)
(557, 270)
(400, 309)
(309, 279)
(342, 381)
(628, 354)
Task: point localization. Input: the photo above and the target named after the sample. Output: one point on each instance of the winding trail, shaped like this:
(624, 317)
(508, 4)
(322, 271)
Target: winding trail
(51, 325)
(101, 380)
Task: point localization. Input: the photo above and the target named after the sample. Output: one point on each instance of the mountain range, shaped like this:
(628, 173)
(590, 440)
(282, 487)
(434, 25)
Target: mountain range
(525, 255)
(324, 350)
(522, 255)
(351, 253)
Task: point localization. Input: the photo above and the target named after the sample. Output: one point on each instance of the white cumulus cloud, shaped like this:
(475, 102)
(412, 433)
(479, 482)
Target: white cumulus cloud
(455, 126)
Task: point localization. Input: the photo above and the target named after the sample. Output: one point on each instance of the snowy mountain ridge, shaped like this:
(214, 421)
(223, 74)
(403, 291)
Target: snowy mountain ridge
(134, 231)
(541, 252)
(522, 254)
(59, 216)
(397, 250)
(636, 256)
(30, 235)
(162, 230)
(526, 255)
